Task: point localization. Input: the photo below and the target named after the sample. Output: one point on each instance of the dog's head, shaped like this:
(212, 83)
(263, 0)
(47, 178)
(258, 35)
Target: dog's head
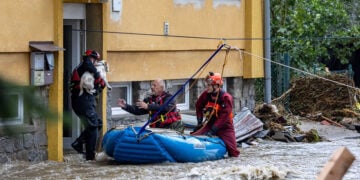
(102, 63)
(102, 67)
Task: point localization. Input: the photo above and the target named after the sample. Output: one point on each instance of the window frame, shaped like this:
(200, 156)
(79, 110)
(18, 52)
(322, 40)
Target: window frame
(224, 86)
(181, 106)
(19, 119)
(116, 111)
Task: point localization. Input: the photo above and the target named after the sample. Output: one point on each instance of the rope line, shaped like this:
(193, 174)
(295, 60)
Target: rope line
(217, 38)
(295, 69)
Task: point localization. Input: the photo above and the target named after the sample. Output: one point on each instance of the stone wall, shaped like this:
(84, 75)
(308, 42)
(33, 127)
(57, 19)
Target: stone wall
(27, 141)
(109, 121)
(243, 92)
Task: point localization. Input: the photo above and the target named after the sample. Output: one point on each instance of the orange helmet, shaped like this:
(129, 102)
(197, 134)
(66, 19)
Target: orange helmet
(92, 53)
(214, 78)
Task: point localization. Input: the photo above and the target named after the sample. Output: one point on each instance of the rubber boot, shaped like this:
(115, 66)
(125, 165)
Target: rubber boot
(78, 146)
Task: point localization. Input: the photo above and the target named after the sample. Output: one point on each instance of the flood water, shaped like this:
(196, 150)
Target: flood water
(267, 160)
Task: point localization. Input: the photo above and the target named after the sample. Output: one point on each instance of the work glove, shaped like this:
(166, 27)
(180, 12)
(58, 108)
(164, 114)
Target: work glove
(197, 128)
(199, 124)
(100, 82)
(212, 131)
(199, 120)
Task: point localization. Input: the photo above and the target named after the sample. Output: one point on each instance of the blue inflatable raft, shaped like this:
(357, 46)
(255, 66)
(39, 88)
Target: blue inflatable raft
(160, 145)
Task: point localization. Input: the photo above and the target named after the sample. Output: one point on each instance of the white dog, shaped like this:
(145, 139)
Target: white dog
(87, 83)
(102, 68)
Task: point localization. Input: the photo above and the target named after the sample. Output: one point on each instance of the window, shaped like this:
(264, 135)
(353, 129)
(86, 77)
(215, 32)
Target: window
(14, 112)
(182, 99)
(120, 90)
(224, 86)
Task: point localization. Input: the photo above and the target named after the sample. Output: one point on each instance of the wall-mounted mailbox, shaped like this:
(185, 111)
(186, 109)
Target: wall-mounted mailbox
(42, 66)
(42, 62)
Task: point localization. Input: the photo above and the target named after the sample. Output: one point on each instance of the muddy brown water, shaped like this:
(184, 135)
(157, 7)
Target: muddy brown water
(267, 160)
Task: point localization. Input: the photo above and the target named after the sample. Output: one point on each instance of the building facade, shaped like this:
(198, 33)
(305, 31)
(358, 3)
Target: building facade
(140, 41)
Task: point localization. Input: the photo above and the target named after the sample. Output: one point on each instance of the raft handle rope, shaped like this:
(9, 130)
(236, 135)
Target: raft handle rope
(142, 137)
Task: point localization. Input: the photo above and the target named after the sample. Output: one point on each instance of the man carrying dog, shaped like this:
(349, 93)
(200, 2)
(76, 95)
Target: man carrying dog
(84, 104)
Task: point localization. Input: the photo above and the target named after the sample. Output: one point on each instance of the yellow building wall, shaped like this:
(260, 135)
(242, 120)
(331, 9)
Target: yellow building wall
(138, 16)
(254, 63)
(54, 126)
(22, 21)
(15, 67)
(25, 21)
(141, 66)
(144, 57)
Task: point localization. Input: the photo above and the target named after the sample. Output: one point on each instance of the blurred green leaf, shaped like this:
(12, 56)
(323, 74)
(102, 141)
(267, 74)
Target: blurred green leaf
(34, 105)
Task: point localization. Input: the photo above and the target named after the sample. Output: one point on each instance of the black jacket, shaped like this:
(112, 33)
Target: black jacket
(85, 65)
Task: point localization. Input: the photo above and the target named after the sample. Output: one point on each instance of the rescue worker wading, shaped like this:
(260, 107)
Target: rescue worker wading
(84, 105)
(169, 117)
(215, 105)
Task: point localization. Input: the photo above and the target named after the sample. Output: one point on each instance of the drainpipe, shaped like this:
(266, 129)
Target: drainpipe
(267, 52)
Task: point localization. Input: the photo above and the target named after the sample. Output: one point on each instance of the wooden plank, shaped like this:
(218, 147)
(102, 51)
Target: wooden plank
(337, 166)
(332, 122)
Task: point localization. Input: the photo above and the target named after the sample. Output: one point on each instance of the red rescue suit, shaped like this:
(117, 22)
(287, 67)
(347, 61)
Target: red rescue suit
(221, 122)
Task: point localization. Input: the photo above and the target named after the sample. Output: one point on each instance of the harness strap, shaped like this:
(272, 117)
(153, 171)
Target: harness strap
(167, 118)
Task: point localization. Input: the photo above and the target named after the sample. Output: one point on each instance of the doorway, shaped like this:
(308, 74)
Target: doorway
(73, 43)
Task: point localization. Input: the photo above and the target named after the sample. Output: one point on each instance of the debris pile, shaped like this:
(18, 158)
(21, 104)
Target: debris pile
(317, 99)
(327, 101)
(283, 128)
(311, 96)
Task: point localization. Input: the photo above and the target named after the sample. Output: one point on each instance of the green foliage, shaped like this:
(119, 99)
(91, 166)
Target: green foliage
(307, 29)
(34, 105)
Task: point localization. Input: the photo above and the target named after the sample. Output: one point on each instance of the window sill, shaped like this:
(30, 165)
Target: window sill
(16, 129)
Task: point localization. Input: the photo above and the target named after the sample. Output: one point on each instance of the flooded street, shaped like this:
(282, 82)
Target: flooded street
(267, 160)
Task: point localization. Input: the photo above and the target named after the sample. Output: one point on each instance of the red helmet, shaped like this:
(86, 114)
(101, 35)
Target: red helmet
(93, 54)
(214, 78)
